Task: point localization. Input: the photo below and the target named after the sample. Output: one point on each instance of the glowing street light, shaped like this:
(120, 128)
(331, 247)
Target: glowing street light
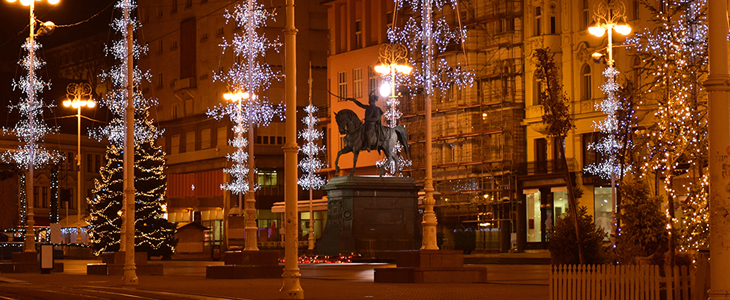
(610, 15)
(391, 56)
(78, 96)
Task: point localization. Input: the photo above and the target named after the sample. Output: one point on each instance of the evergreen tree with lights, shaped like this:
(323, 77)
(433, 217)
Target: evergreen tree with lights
(675, 56)
(153, 233)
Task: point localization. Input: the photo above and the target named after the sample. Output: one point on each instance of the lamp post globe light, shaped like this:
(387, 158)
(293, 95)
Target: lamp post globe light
(393, 61)
(610, 15)
(249, 208)
(78, 96)
(31, 46)
(390, 57)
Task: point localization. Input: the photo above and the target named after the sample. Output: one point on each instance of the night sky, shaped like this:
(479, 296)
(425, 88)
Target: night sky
(15, 20)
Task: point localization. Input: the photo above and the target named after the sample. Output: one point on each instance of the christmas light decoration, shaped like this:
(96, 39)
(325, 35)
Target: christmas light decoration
(247, 78)
(310, 164)
(693, 228)
(675, 56)
(31, 129)
(425, 39)
(153, 233)
(23, 200)
(53, 215)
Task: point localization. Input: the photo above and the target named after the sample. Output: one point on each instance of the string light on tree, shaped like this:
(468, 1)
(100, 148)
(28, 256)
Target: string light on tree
(676, 57)
(152, 233)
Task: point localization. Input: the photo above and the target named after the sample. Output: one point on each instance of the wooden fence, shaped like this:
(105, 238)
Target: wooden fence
(604, 282)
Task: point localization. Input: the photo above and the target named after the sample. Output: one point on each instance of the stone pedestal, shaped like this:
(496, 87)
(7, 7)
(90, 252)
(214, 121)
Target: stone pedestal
(113, 264)
(247, 265)
(371, 213)
(431, 266)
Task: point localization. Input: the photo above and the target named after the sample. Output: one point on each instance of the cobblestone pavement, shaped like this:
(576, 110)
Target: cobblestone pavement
(186, 280)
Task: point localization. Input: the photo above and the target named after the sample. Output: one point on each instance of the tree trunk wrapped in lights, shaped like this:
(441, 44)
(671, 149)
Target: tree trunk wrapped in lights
(675, 56)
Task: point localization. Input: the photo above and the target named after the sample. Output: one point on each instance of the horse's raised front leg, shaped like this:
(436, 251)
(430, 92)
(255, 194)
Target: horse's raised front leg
(343, 151)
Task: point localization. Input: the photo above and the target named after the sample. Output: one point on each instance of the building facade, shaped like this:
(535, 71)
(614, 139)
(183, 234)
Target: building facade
(562, 27)
(479, 141)
(184, 38)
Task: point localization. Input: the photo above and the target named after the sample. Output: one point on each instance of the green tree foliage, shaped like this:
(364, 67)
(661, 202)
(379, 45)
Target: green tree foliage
(153, 233)
(643, 230)
(564, 246)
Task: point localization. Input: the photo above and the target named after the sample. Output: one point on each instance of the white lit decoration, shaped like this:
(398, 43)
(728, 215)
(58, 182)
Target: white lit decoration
(31, 129)
(311, 164)
(247, 78)
(153, 233)
(676, 56)
(608, 146)
(426, 38)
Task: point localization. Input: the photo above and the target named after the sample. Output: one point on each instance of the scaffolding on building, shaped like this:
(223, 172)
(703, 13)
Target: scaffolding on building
(478, 139)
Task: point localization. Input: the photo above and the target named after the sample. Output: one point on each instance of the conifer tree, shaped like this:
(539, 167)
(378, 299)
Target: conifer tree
(153, 233)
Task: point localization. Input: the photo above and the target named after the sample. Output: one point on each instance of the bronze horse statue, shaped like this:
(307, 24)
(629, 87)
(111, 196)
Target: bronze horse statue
(349, 124)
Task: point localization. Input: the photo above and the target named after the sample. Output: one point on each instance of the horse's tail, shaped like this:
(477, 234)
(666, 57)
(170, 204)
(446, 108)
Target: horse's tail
(403, 139)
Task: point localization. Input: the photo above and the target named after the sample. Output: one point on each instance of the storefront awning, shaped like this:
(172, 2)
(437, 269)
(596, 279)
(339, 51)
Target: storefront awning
(196, 185)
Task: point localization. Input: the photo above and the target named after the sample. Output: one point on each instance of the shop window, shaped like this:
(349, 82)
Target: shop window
(268, 178)
(534, 216)
(603, 208)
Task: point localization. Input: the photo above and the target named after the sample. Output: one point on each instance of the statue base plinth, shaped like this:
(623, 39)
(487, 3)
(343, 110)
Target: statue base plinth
(370, 213)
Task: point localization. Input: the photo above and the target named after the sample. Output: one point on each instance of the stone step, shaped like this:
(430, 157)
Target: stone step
(243, 271)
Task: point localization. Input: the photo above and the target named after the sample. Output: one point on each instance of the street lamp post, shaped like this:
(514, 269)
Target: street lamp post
(610, 15)
(249, 205)
(29, 243)
(79, 95)
(291, 289)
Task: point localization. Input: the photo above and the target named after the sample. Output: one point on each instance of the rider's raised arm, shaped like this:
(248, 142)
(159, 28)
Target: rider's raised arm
(358, 103)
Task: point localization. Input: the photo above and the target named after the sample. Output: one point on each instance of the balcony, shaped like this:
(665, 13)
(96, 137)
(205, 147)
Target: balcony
(544, 167)
(185, 83)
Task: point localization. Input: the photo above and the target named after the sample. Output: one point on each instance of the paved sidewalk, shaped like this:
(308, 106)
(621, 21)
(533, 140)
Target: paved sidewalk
(318, 282)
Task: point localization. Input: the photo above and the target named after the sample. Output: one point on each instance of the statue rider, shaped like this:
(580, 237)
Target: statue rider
(373, 122)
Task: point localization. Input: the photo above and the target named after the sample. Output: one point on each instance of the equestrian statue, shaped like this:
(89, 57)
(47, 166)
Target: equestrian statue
(371, 135)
